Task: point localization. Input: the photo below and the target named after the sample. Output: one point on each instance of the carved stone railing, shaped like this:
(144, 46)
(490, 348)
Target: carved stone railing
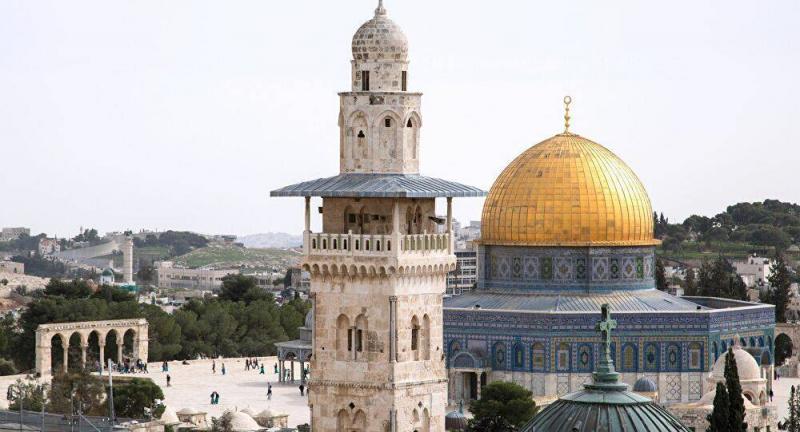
(376, 245)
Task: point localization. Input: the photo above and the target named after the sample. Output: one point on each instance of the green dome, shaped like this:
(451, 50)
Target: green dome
(605, 405)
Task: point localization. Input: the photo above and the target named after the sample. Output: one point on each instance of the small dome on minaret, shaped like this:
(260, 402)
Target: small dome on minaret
(380, 39)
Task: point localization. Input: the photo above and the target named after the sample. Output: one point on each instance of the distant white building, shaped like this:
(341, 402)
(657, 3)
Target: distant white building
(169, 276)
(107, 277)
(48, 246)
(13, 233)
(754, 271)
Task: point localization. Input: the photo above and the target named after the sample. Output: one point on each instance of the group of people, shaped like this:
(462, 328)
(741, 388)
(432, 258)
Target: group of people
(254, 365)
(214, 367)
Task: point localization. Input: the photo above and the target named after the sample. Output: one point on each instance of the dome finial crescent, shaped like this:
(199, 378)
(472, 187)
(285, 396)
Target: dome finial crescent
(380, 10)
(567, 101)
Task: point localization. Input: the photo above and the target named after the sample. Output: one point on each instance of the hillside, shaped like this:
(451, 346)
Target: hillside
(234, 256)
(271, 240)
(745, 228)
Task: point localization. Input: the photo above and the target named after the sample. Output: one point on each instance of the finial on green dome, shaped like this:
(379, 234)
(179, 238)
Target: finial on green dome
(606, 377)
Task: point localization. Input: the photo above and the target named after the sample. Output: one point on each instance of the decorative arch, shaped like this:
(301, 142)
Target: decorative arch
(344, 338)
(357, 135)
(412, 125)
(426, 337)
(519, 356)
(538, 357)
(630, 358)
(563, 357)
(387, 125)
(360, 335)
(499, 356)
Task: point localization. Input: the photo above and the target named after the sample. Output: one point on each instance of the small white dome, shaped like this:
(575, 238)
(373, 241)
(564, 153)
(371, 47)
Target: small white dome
(241, 422)
(708, 400)
(746, 365)
(267, 413)
(169, 417)
(188, 411)
(380, 39)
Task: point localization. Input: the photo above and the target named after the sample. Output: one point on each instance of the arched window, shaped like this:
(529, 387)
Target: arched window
(585, 357)
(499, 356)
(562, 356)
(409, 124)
(629, 360)
(359, 337)
(651, 357)
(387, 122)
(673, 357)
(695, 355)
(415, 337)
(519, 356)
(537, 356)
(361, 134)
(344, 338)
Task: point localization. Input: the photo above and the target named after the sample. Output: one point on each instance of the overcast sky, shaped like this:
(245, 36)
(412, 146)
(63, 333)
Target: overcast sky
(185, 114)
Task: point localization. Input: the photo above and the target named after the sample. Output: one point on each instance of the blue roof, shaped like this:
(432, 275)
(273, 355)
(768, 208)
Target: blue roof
(378, 186)
(649, 300)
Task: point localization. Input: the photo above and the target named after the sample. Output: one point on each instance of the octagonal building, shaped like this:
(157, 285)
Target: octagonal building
(567, 227)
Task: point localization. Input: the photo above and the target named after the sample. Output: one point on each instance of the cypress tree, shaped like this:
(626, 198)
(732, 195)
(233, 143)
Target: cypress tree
(661, 275)
(736, 411)
(793, 422)
(718, 419)
(691, 284)
(780, 281)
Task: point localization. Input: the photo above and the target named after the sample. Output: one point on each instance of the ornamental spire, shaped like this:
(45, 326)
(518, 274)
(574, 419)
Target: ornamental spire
(567, 101)
(380, 10)
(605, 377)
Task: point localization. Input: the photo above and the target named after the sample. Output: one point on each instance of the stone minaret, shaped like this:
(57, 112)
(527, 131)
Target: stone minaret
(379, 120)
(127, 260)
(378, 268)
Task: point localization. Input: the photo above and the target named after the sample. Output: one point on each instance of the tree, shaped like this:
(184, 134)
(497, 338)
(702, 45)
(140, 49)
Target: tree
(661, 275)
(223, 423)
(718, 419)
(507, 400)
(792, 423)
(29, 393)
(146, 274)
(75, 289)
(779, 294)
(80, 391)
(783, 348)
(736, 411)
(138, 399)
(491, 424)
(241, 288)
(690, 288)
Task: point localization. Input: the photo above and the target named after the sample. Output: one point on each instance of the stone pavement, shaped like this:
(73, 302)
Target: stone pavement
(238, 389)
(781, 389)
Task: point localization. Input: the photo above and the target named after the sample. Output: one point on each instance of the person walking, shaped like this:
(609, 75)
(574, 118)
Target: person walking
(216, 398)
(213, 366)
(262, 369)
(212, 397)
(302, 390)
(269, 391)
(169, 381)
(247, 364)
(276, 367)
(223, 369)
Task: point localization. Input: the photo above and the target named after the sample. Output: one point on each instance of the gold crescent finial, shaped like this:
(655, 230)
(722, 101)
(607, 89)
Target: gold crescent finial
(567, 101)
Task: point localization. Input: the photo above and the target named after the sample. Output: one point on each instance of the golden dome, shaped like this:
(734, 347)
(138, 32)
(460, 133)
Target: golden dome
(567, 191)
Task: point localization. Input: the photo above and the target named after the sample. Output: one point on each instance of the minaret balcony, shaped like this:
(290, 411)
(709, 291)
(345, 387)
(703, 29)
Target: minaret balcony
(319, 246)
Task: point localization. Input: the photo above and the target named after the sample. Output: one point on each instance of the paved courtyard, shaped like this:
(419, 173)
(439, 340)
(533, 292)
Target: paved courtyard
(781, 388)
(238, 389)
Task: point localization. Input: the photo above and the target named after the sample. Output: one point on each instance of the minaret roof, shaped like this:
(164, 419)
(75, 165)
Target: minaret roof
(354, 185)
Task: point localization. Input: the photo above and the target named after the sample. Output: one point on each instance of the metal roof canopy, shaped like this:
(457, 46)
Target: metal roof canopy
(355, 185)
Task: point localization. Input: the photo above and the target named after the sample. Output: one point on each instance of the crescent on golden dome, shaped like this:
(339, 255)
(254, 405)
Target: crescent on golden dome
(568, 191)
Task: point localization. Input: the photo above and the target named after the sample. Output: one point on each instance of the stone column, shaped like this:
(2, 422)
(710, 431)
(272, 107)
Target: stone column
(84, 348)
(119, 351)
(291, 371)
(450, 224)
(280, 370)
(102, 345)
(478, 384)
(307, 231)
(392, 329)
(65, 347)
